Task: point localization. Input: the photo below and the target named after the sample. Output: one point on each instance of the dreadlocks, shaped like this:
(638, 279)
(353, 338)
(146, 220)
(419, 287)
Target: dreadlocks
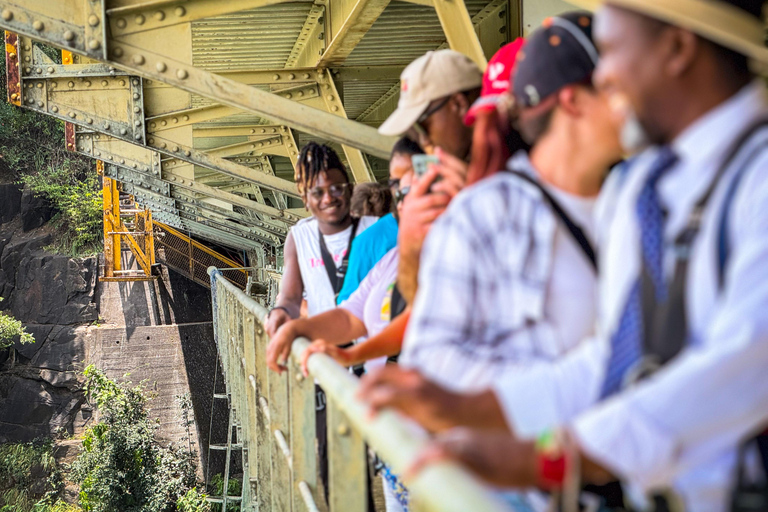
(313, 160)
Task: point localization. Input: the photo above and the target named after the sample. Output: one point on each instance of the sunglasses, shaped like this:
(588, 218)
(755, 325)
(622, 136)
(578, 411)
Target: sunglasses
(401, 193)
(336, 191)
(417, 126)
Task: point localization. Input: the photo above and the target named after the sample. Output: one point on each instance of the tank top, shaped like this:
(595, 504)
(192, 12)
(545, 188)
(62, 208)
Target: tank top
(317, 287)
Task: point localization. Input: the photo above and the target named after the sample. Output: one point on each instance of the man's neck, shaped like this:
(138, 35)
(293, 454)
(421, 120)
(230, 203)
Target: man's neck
(689, 108)
(566, 165)
(332, 229)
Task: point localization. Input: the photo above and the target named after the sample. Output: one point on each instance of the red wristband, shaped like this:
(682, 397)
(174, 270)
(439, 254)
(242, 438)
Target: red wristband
(552, 461)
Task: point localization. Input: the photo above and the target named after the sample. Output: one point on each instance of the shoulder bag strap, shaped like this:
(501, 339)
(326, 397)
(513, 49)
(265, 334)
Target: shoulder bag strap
(667, 322)
(336, 275)
(576, 232)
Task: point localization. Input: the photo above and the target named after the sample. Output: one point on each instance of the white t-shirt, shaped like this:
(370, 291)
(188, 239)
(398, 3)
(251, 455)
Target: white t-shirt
(317, 286)
(372, 300)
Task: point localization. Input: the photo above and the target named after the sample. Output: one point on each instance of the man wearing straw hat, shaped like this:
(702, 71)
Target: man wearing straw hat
(680, 370)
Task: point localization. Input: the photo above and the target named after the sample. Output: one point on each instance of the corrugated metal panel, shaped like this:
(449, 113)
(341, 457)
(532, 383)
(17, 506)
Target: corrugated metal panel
(254, 39)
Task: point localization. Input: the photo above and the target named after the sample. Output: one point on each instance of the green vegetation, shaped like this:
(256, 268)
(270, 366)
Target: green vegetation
(234, 488)
(122, 466)
(33, 152)
(30, 480)
(10, 328)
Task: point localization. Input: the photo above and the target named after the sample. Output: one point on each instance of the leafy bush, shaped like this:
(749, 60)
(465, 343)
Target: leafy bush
(122, 466)
(10, 328)
(29, 477)
(234, 488)
(33, 152)
(193, 502)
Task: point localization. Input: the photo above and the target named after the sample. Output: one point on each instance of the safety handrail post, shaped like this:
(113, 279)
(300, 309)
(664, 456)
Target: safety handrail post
(303, 436)
(347, 463)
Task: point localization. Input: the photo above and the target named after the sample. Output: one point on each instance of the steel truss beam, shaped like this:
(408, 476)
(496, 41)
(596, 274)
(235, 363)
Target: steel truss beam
(119, 153)
(347, 31)
(80, 30)
(164, 197)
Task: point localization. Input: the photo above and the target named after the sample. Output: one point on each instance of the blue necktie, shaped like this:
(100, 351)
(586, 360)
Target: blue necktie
(627, 341)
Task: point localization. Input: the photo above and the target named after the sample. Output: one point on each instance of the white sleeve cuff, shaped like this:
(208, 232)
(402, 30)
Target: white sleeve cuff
(620, 438)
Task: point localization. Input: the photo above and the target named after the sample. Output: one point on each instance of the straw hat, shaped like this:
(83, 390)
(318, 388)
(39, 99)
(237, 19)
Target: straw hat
(714, 20)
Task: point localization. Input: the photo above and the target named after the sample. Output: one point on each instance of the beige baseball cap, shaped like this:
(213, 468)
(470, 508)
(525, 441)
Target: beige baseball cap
(432, 76)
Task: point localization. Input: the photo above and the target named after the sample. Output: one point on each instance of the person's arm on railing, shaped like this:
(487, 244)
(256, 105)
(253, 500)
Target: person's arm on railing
(288, 303)
(336, 326)
(387, 343)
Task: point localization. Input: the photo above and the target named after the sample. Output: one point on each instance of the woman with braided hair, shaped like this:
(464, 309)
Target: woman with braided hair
(315, 260)
(326, 235)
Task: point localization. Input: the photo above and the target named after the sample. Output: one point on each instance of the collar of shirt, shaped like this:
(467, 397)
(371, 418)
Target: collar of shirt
(701, 148)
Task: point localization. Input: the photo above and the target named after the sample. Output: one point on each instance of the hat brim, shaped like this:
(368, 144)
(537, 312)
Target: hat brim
(716, 21)
(402, 119)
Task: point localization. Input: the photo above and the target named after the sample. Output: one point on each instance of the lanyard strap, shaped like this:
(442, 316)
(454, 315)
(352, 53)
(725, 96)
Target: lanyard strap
(574, 229)
(336, 275)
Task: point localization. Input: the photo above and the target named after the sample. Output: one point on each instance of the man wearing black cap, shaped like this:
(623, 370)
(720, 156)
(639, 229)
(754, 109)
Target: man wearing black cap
(508, 273)
(680, 373)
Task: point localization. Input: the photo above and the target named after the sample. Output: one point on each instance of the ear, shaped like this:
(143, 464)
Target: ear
(461, 103)
(684, 46)
(569, 101)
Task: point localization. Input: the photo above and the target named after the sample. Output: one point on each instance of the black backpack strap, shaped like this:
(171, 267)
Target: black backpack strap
(337, 275)
(396, 307)
(575, 230)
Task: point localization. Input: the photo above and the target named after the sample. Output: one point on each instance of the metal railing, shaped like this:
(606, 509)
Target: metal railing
(276, 419)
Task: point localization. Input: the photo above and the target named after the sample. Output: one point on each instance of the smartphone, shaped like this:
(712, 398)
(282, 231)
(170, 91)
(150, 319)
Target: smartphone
(421, 163)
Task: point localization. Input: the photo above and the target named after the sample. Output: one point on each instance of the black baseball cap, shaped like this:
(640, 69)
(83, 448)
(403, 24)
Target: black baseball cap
(559, 53)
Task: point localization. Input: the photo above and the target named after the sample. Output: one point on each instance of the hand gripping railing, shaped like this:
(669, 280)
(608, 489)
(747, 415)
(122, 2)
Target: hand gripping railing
(276, 416)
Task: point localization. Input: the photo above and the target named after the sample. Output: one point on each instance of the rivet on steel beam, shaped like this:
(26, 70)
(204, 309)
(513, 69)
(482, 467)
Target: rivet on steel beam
(121, 23)
(14, 96)
(163, 122)
(89, 121)
(39, 70)
(137, 123)
(104, 83)
(134, 165)
(7, 15)
(122, 161)
(306, 76)
(69, 35)
(72, 115)
(175, 149)
(187, 153)
(180, 11)
(161, 67)
(343, 430)
(185, 118)
(123, 131)
(27, 70)
(39, 85)
(163, 145)
(27, 59)
(299, 377)
(93, 20)
(94, 44)
(182, 74)
(122, 83)
(71, 84)
(159, 15)
(106, 125)
(87, 83)
(50, 69)
(40, 104)
(54, 109)
(139, 19)
(288, 95)
(138, 136)
(31, 101)
(136, 110)
(97, 153)
(12, 56)
(117, 52)
(175, 120)
(38, 25)
(151, 141)
(138, 60)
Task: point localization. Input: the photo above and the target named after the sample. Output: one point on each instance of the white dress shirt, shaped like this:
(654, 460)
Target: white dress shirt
(681, 427)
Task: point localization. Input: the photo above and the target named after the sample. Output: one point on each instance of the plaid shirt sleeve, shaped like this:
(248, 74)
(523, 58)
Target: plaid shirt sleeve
(484, 270)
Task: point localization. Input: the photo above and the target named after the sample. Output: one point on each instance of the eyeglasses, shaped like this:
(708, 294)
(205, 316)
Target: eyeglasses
(401, 193)
(336, 190)
(417, 126)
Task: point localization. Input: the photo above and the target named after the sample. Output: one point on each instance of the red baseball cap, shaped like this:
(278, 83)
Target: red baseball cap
(497, 79)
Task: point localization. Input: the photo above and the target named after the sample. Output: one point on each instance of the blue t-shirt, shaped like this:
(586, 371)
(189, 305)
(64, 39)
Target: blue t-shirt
(369, 247)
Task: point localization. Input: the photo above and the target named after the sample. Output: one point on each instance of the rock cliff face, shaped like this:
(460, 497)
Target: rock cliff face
(53, 295)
